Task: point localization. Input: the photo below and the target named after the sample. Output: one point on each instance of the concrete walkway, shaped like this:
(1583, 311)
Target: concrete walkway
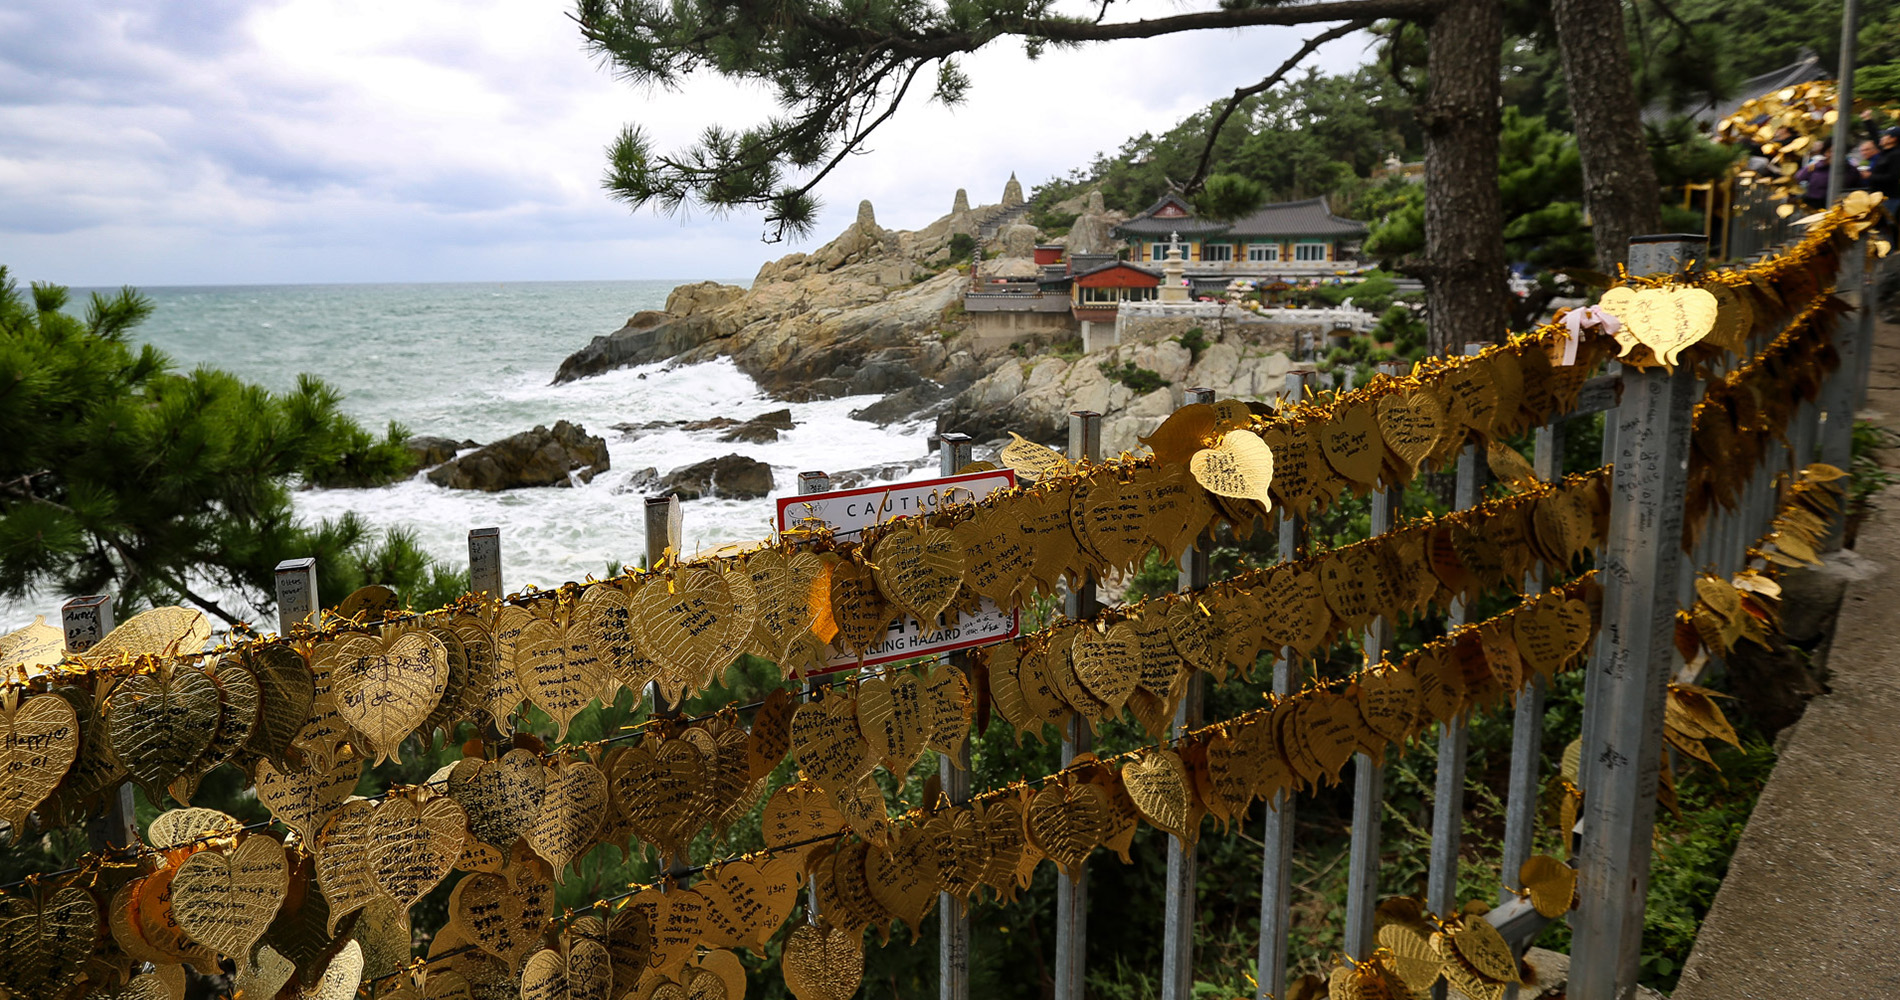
(1811, 905)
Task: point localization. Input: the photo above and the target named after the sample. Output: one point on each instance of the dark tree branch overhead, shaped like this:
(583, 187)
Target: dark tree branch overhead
(1242, 93)
(839, 71)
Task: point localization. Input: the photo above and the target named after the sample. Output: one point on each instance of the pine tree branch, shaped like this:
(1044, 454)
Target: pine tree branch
(1241, 94)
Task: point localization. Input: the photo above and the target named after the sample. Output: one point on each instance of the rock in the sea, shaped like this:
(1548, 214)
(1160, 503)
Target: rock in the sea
(761, 429)
(925, 399)
(731, 477)
(648, 337)
(540, 457)
(642, 481)
(430, 451)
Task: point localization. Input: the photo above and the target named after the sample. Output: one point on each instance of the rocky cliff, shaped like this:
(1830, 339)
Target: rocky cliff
(869, 312)
(878, 312)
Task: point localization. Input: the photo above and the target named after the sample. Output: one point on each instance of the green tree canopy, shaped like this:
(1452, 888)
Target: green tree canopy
(122, 475)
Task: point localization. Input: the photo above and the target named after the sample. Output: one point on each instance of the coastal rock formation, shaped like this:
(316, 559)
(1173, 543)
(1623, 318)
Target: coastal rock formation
(760, 429)
(539, 457)
(878, 312)
(1033, 397)
(1090, 231)
(430, 451)
(731, 477)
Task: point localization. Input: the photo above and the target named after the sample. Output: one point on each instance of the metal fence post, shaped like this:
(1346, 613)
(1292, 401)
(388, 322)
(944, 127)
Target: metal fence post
(1527, 727)
(1838, 394)
(1368, 786)
(1276, 856)
(86, 620)
(1177, 942)
(953, 937)
(809, 483)
(1625, 687)
(1072, 894)
(484, 562)
(297, 600)
(1448, 794)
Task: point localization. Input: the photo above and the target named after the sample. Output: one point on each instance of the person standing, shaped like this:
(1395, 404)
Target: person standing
(1813, 176)
(1883, 173)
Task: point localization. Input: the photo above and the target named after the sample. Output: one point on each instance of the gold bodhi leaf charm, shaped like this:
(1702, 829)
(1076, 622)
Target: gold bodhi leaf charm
(384, 689)
(1551, 884)
(822, 962)
(159, 724)
(39, 740)
(226, 902)
(1241, 466)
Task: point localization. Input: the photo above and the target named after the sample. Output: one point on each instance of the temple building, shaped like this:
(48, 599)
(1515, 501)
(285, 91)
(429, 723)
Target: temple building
(1291, 240)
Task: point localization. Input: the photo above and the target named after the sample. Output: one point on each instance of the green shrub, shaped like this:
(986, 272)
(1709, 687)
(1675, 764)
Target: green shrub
(1195, 340)
(1141, 380)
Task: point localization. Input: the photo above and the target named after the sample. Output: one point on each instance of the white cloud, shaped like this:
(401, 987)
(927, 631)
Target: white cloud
(193, 142)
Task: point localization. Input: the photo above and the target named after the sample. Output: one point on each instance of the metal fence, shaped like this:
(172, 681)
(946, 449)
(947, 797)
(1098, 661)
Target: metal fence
(1645, 576)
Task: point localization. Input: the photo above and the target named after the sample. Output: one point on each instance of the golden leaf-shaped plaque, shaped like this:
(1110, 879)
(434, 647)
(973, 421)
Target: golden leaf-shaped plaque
(831, 750)
(190, 828)
(36, 645)
(822, 963)
(1185, 431)
(1158, 784)
(663, 792)
(1353, 445)
(572, 809)
(559, 671)
(160, 724)
(748, 900)
(345, 870)
(919, 569)
(39, 741)
(1389, 703)
(860, 610)
(1032, 461)
(1067, 823)
(1412, 956)
(303, 799)
(798, 813)
(341, 977)
(1551, 883)
(46, 941)
(506, 920)
(946, 711)
(1480, 944)
(227, 901)
(238, 697)
(286, 693)
(997, 558)
(1240, 466)
(160, 632)
(902, 876)
(716, 975)
(891, 719)
(1411, 424)
(414, 847)
(678, 921)
(1668, 320)
(502, 797)
(385, 690)
(1106, 663)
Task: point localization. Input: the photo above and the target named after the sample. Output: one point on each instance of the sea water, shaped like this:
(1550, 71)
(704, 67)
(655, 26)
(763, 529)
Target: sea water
(475, 361)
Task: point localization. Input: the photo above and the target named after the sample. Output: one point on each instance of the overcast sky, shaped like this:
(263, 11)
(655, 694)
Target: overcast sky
(178, 142)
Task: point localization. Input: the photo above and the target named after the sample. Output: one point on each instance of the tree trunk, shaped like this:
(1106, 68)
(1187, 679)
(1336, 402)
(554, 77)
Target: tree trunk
(1464, 221)
(1619, 181)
